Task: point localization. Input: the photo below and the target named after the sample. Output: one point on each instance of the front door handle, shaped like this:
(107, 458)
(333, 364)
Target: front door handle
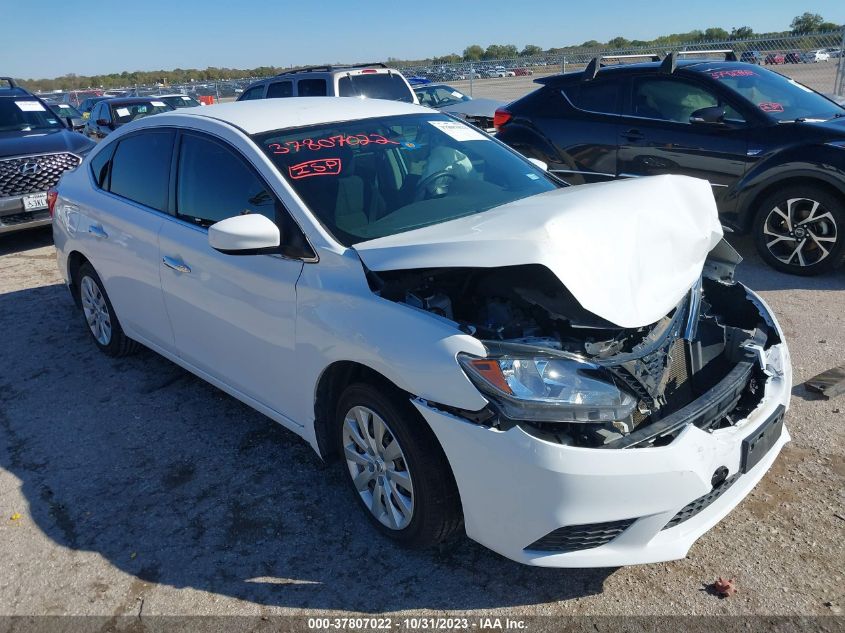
(175, 264)
(633, 135)
(97, 231)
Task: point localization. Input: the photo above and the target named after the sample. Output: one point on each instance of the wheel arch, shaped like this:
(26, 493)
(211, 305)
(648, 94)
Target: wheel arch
(75, 260)
(750, 207)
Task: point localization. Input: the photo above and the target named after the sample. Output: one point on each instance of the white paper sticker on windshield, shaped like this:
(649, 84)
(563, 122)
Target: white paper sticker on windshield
(159, 104)
(186, 98)
(63, 105)
(30, 106)
(122, 111)
(458, 131)
(457, 94)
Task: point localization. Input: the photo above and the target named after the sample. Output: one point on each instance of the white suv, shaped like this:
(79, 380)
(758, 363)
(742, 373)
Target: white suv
(571, 373)
(372, 81)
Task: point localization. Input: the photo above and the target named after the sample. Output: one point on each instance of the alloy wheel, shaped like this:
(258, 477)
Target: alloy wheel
(800, 232)
(378, 467)
(96, 311)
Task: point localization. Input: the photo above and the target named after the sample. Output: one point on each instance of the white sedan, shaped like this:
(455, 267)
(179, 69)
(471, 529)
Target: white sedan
(570, 374)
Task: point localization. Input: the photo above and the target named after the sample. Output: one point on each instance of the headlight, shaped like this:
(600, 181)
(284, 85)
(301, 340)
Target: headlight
(548, 389)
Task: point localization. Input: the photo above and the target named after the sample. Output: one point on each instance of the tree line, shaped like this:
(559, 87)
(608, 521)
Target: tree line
(804, 23)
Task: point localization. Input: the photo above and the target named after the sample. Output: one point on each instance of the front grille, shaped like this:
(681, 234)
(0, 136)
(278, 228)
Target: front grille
(694, 507)
(573, 538)
(50, 169)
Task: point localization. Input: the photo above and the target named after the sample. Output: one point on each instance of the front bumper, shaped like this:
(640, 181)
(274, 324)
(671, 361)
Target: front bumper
(14, 218)
(516, 488)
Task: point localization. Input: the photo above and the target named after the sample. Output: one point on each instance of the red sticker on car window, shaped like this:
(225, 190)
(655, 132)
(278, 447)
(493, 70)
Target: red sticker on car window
(721, 74)
(770, 106)
(318, 167)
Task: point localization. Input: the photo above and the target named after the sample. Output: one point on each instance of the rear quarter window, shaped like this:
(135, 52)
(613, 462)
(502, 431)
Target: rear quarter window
(594, 96)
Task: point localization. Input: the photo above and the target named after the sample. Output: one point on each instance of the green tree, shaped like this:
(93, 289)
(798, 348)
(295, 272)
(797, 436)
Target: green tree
(531, 50)
(742, 33)
(829, 26)
(715, 33)
(806, 22)
(591, 44)
(473, 53)
(618, 42)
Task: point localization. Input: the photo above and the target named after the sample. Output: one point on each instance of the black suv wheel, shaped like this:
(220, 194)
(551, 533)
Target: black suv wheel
(801, 230)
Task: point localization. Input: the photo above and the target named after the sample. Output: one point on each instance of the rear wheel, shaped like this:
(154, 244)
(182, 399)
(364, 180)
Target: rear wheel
(99, 315)
(801, 230)
(397, 470)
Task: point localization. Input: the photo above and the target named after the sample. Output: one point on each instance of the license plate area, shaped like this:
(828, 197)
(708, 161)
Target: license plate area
(35, 201)
(761, 441)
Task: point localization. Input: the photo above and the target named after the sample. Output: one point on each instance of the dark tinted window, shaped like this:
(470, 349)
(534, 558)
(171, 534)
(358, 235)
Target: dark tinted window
(141, 168)
(311, 87)
(375, 86)
(280, 89)
(100, 166)
(594, 96)
(215, 184)
(253, 93)
(674, 99)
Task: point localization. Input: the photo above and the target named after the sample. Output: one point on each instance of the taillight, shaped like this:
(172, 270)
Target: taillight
(501, 117)
(52, 196)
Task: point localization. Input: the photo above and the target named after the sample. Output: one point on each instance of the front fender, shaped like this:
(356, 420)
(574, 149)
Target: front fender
(820, 162)
(340, 319)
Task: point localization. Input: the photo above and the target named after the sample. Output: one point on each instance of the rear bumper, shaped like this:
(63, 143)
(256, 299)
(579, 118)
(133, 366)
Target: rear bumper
(14, 218)
(517, 488)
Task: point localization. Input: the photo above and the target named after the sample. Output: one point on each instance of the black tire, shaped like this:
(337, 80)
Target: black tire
(118, 344)
(436, 514)
(825, 234)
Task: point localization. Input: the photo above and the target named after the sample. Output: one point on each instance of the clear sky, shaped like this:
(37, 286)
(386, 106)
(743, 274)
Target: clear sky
(48, 38)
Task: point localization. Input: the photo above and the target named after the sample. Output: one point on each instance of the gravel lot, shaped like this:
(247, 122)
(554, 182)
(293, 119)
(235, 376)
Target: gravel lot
(129, 484)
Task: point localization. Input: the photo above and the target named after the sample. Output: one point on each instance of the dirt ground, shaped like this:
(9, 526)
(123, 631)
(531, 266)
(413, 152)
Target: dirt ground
(130, 485)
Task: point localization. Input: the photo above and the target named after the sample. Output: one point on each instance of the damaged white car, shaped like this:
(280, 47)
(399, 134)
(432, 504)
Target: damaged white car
(571, 374)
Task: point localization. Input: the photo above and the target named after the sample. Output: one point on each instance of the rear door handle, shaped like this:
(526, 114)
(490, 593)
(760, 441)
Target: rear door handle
(633, 135)
(175, 264)
(97, 231)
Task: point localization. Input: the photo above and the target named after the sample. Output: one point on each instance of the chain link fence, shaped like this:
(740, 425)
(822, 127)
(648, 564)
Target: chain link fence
(814, 59)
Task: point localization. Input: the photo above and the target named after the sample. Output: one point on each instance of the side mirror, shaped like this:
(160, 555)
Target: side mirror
(708, 116)
(539, 163)
(251, 234)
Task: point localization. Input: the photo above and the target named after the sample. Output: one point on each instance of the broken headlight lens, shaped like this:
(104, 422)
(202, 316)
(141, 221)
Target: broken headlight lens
(543, 389)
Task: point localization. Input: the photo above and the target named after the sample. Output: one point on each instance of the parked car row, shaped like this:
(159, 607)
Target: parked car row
(789, 57)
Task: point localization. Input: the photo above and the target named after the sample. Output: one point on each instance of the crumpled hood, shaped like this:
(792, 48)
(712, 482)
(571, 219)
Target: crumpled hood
(628, 251)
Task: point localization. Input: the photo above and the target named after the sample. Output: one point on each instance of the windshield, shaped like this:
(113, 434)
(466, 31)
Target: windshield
(781, 98)
(65, 110)
(376, 177)
(124, 113)
(25, 115)
(375, 86)
(180, 101)
(439, 96)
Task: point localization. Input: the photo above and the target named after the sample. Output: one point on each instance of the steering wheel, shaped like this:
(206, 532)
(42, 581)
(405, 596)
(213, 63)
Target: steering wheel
(423, 186)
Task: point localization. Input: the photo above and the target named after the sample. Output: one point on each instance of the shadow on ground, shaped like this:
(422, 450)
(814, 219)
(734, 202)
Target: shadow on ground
(174, 482)
(19, 242)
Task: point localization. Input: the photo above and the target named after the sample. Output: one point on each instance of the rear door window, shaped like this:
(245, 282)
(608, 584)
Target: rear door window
(140, 169)
(256, 92)
(594, 96)
(280, 89)
(311, 87)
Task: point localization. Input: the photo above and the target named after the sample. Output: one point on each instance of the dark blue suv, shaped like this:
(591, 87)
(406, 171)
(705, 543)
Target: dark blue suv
(772, 149)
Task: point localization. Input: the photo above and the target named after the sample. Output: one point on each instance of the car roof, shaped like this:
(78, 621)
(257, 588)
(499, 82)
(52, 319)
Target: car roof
(131, 100)
(265, 115)
(694, 65)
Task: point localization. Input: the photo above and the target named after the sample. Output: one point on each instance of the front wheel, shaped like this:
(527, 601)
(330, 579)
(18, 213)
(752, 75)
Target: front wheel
(397, 470)
(801, 230)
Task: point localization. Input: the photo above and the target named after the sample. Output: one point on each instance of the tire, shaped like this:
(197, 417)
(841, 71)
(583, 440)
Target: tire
(432, 510)
(790, 240)
(99, 317)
